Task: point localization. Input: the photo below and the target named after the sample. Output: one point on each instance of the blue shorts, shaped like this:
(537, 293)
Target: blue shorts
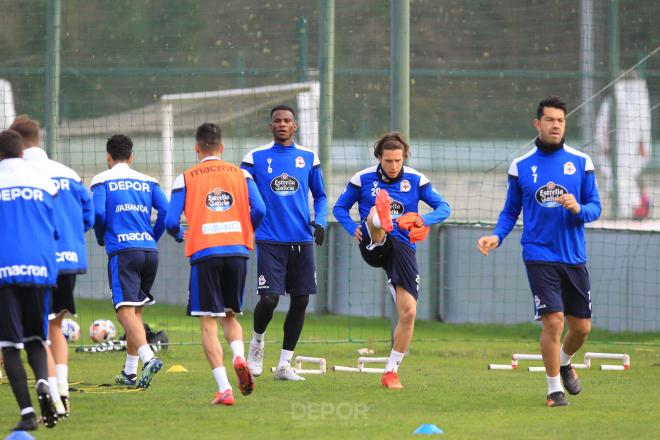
(396, 258)
(62, 296)
(286, 268)
(559, 287)
(216, 286)
(131, 275)
(23, 315)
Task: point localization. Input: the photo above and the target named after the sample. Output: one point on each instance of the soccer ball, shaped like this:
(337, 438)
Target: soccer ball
(102, 330)
(70, 330)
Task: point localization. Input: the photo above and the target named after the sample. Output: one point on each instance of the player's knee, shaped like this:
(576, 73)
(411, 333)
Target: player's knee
(269, 300)
(299, 303)
(553, 323)
(407, 315)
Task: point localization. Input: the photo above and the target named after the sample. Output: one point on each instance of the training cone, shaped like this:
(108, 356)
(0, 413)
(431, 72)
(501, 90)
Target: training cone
(428, 428)
(19, 435)
(177, 369)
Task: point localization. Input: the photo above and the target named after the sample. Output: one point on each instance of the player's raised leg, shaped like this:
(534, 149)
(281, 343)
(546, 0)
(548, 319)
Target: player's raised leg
(234, 336)
(213, 351)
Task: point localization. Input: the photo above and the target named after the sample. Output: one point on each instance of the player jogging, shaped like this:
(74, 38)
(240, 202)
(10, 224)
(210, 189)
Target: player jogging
(222, 206)
(123, 200)
(385, 192)
(285, 173)
(27, 269)
(555, 187)
(74, 215)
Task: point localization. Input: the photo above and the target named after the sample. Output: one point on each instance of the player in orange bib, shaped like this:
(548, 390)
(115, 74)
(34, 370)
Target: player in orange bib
(222, 207)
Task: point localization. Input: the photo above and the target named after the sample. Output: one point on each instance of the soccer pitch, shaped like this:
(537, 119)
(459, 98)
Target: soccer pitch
(445, 377)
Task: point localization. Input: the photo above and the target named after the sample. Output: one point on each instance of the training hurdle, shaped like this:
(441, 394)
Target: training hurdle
(516, 357)
(314, 360)
(362, 361)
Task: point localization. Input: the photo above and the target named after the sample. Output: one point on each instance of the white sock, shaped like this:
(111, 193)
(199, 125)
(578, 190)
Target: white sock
(237, 348)
(145, 353)
(258, 338)
(285, 358)
(220, 375)
(54, 392)
(27, 410)
(554, 384)
(62, 371)
(131, 364)
(376, 221)
(564, 359)
(394, 361)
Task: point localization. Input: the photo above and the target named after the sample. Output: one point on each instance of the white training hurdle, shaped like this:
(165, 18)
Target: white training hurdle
(516, 357)
(298, 369)
(362, 361)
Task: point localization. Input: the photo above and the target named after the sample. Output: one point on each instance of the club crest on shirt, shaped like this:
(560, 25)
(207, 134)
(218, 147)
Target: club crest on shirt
(548, 194)
(284, 185)
(405, 186)
(262, 283)
(569, 168)
(300, 162)
(218, 200)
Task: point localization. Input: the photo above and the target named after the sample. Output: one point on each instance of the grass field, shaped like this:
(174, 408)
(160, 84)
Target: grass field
(445, 377)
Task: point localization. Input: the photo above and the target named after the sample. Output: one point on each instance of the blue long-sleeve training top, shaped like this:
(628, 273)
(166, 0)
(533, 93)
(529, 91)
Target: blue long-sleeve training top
(551, 233)
(406, 191)
(28, 233)
(123, 200)
(178, 204)
(74, 211)
(284, 175)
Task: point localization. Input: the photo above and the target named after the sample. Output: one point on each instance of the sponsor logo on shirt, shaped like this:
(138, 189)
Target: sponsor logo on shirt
(221, 227)
(405, 185)
(569, 168)
(284, 185)
(396, 208)
(128, 185)
(23, 270)
(134, 236)
(300, 162)
(219, 200)
(9, 194)
(131, 207)
(66, 256)
(548, 194)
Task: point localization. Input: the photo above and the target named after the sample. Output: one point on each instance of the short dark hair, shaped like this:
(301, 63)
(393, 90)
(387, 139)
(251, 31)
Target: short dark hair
(120, 147)
(208, 136)
(282, 107)
(26, 127)
(550, 101)
(392, 140)
(11, 144)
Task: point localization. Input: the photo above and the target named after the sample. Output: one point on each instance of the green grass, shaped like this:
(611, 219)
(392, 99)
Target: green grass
(445, 378)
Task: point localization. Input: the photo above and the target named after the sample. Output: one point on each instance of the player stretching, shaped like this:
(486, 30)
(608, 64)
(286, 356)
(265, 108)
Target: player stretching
(555, 186)
(222, 207)
(123, 200)
(385, 192)
(74, 215)
(27, 268)
(284, 173)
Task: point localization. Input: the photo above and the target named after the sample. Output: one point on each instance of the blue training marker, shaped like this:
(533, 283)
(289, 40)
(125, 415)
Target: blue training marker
(428, 428)
(19, 435)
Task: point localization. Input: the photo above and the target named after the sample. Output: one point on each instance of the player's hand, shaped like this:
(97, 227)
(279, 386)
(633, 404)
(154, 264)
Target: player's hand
(419, 222)
(357, 235)
(568, 201)
(486, 243)
(181, 236)
(319, 233)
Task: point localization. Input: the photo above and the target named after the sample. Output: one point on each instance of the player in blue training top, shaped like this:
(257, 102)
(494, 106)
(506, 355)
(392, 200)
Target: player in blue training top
(123, 200)
(285, 173)
(27, 269)
(555, 187)
(74, 215)
(384, 192)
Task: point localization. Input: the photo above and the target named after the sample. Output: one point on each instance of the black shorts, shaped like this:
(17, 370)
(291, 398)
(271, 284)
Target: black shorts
(396, 258)
(23, 315)
(559, 287)
(286, 268)
(62, 296)
(216, 286)
(131, 275)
